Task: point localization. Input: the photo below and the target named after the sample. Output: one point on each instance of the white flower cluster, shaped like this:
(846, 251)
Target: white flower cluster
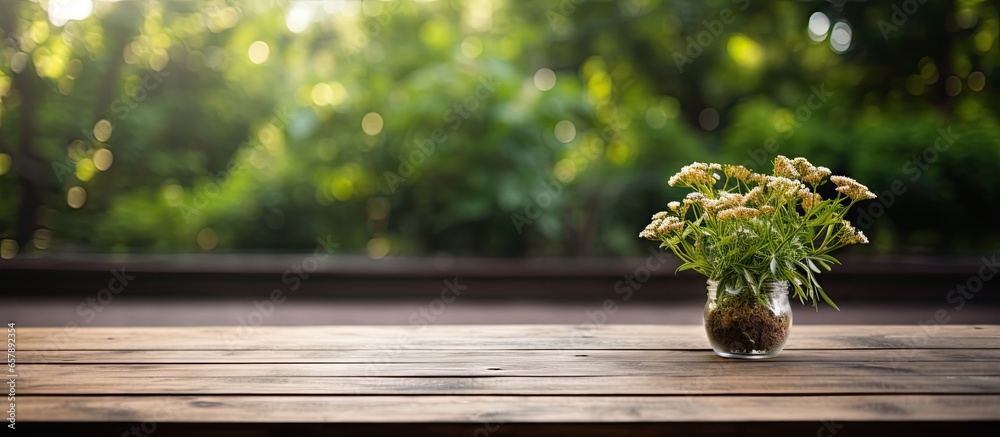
(725, 201)
(851, 235)
(698, 173)
(771, 199)
(661, 226)
(739, 212)
(800, 169)
(852, 188)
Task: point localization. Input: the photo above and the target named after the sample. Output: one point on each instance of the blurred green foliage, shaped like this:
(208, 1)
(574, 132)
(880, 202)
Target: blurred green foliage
(485, 127)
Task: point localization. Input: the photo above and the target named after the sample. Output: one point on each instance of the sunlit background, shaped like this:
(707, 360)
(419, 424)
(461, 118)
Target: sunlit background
(478, 127)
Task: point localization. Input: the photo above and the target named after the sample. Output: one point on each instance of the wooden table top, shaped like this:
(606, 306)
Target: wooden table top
(497, 376)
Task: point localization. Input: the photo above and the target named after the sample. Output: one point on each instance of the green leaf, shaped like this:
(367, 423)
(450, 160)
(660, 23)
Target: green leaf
(812, 266)
(686, 266)
(827, 299)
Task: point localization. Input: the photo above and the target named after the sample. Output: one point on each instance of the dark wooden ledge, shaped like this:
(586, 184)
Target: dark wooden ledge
(868, 278)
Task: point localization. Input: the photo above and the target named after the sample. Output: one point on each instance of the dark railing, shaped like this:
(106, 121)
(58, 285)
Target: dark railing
(909, 279)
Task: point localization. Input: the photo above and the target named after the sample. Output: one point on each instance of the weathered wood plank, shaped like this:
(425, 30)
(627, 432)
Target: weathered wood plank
(509, 373)
(363, 356)
(513, 367)
(519, 337)
(506, 409)
(596, 385)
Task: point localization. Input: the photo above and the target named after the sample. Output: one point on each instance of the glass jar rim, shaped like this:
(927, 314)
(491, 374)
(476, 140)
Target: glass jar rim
(769, 287)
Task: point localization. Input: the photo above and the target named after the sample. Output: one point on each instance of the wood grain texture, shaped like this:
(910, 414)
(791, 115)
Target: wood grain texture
(572, 367)
(491, 357)
(507, 409)
(502, 385)
(486, 337)
(506, 373)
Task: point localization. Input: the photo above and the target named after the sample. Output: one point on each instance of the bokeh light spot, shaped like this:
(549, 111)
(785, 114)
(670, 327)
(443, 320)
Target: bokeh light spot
(671, 107)
(103, 159)
(259, 52)
(42, 239)
(655, 117)
(8, 248)
(984, 40)
(977, 81)
(819, 26)
(342, 189)
(77, 150)
(173, 194)
(472, 47)
(378, 248)
(39, 32)
(332, 94)
(599, 85)
(782, 119)
(708, 119)
(618, 152)
(61, 11)
(953, 86)
(207, 239)
(565, 131)
(220, 19)
(322, 94)
(299, 16)
(85, 169)
(159, 60)
(565, 170)
(76, 197)
(928, 70)
(372, 123)
(545, 79)
(745, 51)
(102, 130)
(841, 36)
(339, 93)
(435, 34)
(18, 61)
(966, 18)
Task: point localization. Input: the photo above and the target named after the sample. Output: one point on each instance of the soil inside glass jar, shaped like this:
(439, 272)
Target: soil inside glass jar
(746, 326)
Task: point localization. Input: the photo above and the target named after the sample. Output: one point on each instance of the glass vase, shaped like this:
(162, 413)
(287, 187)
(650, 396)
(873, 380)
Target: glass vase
(741, 324)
